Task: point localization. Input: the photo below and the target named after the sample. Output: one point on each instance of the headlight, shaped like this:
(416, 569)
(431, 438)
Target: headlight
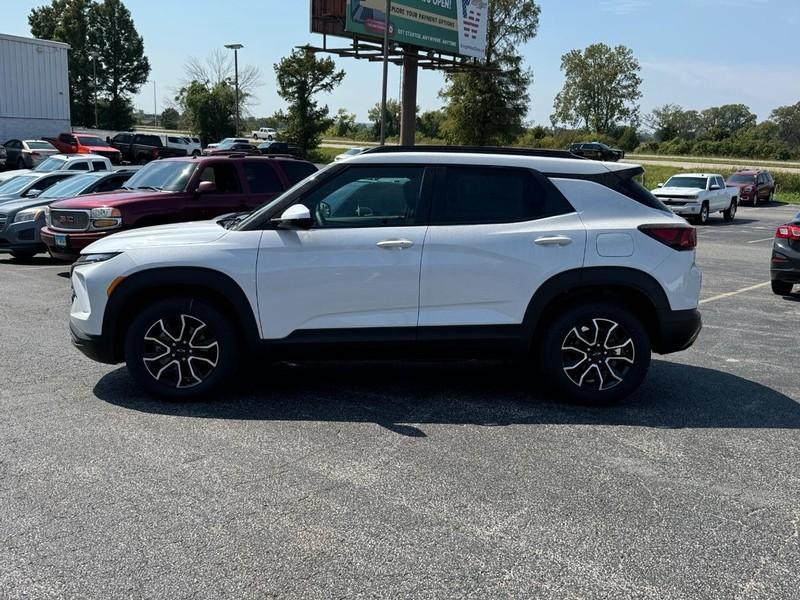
(30, 214)
(749, 188)
(106, 218)
(86, 259)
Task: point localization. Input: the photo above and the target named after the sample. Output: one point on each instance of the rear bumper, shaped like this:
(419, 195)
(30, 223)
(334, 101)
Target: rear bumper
(74, 242)
(678, 330)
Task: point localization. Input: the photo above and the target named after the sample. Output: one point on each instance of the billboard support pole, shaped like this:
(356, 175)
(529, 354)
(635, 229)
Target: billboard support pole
(385, 70)
(408, 116)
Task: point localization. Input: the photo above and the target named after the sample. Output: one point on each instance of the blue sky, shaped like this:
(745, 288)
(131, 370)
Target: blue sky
(696, 53)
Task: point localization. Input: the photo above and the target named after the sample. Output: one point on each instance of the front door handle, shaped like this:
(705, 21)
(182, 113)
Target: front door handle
(395, 244)
(556, 240)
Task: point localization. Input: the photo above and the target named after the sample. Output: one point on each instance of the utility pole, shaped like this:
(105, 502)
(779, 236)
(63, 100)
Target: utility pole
(385, 71)
(155, 109)
(236, 48)
(93, 56)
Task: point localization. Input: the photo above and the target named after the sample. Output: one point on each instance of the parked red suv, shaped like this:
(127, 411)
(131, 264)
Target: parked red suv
(171, 191)
(754, 186)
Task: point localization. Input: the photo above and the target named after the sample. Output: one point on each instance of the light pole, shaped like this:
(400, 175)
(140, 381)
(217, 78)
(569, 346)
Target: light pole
(236, 48)
(93, 56)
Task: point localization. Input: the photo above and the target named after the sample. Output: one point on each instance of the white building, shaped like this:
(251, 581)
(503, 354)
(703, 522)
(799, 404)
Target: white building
(34, 88)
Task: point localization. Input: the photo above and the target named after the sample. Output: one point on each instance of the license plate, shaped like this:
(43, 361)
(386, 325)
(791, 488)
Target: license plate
(61, 240)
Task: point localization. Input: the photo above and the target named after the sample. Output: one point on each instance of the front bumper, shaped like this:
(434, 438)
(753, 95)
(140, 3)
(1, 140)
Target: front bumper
(95, 347)
(72, 244)
(678, 330)
(22, 237)
(689, 208)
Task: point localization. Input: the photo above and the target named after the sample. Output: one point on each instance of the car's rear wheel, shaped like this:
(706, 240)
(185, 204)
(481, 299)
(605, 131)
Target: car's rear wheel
(20, 163)
(181, 348)
(23, 254)
(595, 353)
(730, 213)
(782, 288)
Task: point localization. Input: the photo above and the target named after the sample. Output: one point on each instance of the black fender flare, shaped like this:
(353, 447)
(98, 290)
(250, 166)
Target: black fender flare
(161, 282)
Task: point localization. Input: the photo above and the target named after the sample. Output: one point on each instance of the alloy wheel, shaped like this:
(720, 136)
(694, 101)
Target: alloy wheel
(180, 351)
(597, 354)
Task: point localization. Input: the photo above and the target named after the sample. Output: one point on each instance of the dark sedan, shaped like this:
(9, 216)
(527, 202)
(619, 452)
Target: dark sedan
(22, 219)
(785, 264)
(597, 151)
(230, 148)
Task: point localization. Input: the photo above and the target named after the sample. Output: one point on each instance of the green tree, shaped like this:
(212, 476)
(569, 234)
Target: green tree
(170, 118)
(720, 122)
(122, 67)
(392, 119)
(787, 119)
(208, 110)
(488, 107)
(429, 124)
(345, 123)
(69, 21)
(629, 140)
(601, 88)
(301, 76)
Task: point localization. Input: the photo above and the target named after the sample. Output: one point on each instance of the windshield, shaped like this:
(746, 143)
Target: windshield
(90, 140)
(742, 179)
(51, 164)
(72, 186)
(36, 145)
(163, 175)
(17, 184)
(686, 182)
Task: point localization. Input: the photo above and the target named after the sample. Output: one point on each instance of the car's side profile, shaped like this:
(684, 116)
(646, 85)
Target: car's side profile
(698, 195)
(401, 252)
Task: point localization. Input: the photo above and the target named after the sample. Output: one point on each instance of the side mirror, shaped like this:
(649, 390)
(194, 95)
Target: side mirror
(660, 184)
(715, 187)
(296, 216)
(33, 193)
(205, 187)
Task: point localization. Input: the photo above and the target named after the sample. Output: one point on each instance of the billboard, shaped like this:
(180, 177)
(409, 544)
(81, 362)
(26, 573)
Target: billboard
(450, 26)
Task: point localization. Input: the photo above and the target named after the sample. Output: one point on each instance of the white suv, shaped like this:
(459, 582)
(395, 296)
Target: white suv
(399, 252)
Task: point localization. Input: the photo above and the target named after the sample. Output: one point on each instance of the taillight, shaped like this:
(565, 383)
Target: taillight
(155, 153)
(677, 237)
(788, 232)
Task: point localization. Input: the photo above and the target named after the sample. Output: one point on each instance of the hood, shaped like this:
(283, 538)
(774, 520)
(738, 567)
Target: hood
(12, 206)
(99, 149)
(178, 234)
(11, 174)
(118, 198)
(676, 192)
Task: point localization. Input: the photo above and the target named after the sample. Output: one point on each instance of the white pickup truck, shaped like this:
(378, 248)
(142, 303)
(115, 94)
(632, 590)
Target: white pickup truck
(265, 133)
(697, 195)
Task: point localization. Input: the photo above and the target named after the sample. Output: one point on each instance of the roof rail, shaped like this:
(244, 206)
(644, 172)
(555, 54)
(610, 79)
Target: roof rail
(476, 150)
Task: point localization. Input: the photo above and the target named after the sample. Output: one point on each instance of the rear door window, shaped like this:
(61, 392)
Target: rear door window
(262, 178)
(494, 195)
(99, 165)
(224, 176)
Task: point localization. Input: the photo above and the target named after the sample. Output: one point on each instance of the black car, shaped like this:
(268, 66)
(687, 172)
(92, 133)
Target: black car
(22, 219)
(282, 148)
(785, 264)
(141, 148)
(597, 151)
(3, 156)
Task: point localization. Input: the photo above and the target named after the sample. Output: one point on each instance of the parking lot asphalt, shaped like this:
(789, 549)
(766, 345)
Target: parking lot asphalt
(413, 480)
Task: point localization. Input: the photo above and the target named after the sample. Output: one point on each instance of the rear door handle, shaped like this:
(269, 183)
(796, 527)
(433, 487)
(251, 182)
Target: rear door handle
(395, 244)
(556, 240)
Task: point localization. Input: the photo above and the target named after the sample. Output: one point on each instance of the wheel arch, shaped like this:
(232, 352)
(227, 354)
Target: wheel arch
(215, 287)
(636, 289)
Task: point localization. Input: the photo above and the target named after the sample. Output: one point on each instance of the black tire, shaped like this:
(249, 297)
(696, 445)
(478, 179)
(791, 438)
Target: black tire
(196, 153)
(702, 218)
(771, 197)
(21, 163)
(23, 254)
(782, 288)
(142, 160)
(203, 355)
(608, 332)
(730, 213)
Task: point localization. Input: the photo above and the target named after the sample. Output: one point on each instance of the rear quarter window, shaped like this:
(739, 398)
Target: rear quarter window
(296, 171)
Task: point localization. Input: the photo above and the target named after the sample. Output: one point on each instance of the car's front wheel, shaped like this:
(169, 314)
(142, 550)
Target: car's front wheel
(181, 348)
(782, 288)
(595, 353)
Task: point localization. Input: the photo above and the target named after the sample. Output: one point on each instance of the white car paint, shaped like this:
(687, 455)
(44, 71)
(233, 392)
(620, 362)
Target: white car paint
(265, 133)
(405, 276)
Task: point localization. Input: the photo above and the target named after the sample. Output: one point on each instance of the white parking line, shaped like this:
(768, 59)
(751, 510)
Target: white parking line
(729, 294)
(769, 239)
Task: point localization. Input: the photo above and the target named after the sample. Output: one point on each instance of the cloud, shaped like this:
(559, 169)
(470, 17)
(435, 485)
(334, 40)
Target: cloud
(623, 7)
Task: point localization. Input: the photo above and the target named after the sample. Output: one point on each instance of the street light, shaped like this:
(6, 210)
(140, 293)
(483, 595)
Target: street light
(93, 56)
(236, 48)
